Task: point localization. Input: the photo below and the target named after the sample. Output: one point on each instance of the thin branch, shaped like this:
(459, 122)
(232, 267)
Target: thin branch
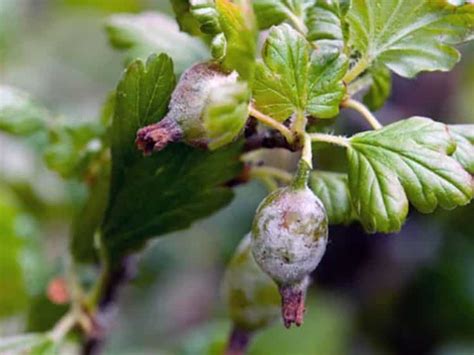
(356, 70)
(364, 111)
(299, 125)
(329, 138)
(307, 154)
(63, 327)
(271, 122)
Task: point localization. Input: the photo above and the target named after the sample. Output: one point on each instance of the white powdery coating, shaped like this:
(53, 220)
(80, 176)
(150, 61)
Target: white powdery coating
(192, 94)
(289, 234)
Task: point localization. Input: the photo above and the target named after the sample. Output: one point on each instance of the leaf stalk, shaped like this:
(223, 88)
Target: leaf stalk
(364, 111)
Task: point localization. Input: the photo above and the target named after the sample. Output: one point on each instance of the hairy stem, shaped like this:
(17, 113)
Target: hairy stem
(63, 327)
(356, 70)
(271, 122)
(307, 154)
(329, 138)
(299, 126)
(364, 111)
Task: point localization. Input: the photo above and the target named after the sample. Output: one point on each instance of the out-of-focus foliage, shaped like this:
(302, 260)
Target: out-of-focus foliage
(57, 51)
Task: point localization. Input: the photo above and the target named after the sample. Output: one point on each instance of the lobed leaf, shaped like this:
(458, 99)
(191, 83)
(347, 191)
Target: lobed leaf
(73, 146)
(238, 26)
(407, 161)
(290, 80)
(409, 36)
(20, 114)
(326, 23)
(380, 89)
(274, 12)
(186, 21)
(464, 137)
(18, 344)
(152, 196)
(333, 190)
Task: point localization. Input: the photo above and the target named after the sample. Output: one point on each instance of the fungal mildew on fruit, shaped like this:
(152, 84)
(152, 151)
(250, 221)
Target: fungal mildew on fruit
(289, 237)
(184, 121)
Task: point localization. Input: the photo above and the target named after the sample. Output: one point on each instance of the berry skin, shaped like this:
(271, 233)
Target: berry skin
(252, 296)
(185, 118)
(289, 238)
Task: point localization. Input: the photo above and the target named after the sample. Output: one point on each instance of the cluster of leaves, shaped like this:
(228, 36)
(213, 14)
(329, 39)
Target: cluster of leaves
(317, 53)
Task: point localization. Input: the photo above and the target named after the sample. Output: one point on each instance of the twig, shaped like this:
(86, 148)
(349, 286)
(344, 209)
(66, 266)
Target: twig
(62, 327)
(364, 111)
(271, 122)
(329, 138)
(356, 70)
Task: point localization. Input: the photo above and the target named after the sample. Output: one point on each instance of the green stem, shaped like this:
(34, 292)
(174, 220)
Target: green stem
(271, 122)
(307, 153)
(300, 180)
(357, 69)
(329, 138)
(297, 23)
(299, 126)
(63, 327)
(364, 111)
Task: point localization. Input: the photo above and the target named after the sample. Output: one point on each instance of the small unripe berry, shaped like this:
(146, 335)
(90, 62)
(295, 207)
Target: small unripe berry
(185, 118)
(290, 233)
(251, 295)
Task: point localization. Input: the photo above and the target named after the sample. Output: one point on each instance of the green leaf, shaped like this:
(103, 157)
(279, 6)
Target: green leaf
(238, 27)
(332, 189)
(464, 136)
(326, 23)
(87, 222)
(405, 161)
(152, 196)
(380, 89)
(73, 146)
(186, 21)
(143, 34)
(43, 314)
(274, 12)
(289, 80)
(48, 347)
(409, 36)
(18, 344)
(233, 25)
(14, 295)
(20, 114)
(226, 113)
(205, 12)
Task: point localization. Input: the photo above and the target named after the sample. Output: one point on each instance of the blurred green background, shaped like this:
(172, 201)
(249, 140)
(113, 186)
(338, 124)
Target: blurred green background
(409, 293)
